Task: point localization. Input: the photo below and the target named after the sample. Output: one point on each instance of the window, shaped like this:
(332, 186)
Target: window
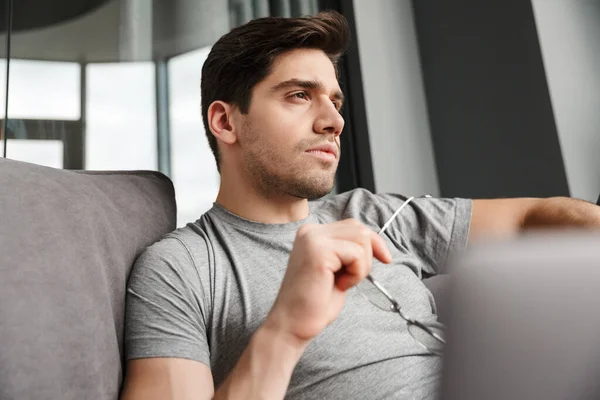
(194, 172)
(121, 117)
(41, 90)
(42, 152)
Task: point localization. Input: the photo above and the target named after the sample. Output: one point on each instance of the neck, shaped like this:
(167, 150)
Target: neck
(239, 196)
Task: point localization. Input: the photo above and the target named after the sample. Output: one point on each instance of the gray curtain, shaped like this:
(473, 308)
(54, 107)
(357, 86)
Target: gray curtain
(243, 11)
(180, 26)
(143, 30)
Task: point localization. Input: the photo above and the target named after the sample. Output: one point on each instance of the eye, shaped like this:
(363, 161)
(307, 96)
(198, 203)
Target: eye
(301, 95)
(338, 105)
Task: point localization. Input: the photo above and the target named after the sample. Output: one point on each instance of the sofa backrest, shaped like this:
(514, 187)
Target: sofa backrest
(67, 243)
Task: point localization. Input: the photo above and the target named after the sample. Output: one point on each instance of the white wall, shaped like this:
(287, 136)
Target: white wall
(569, 32)
(400, 140)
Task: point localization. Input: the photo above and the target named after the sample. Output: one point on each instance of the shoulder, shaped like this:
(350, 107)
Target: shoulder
(369, 208)
(375, 209)
(180, 252)
(175, 245)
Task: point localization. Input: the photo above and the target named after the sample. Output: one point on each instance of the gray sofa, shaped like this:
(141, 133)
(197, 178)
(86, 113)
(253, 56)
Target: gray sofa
(67, 243)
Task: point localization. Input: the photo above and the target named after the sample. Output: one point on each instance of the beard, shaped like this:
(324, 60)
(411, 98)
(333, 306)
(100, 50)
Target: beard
(275, 175)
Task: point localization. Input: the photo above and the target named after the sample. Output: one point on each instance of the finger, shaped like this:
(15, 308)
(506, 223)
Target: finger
(344, 281)
(355, 265)
(350, 229)
(348, 253)
(354, 271)
(380, 249)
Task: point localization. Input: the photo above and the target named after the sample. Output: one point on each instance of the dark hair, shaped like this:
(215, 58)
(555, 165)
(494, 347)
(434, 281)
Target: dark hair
(242, 58)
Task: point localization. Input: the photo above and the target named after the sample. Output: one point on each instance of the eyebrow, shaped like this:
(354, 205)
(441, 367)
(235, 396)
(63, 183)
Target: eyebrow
(309, 85)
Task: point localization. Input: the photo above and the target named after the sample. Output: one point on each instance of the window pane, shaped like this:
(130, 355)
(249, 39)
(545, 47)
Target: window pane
(121, 117)
(42, 152)
(194, 172)
(41, 90)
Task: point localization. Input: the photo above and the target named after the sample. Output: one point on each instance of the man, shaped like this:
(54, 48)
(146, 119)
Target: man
(256, 299)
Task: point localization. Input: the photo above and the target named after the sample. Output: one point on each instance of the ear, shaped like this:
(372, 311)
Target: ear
(220, 121)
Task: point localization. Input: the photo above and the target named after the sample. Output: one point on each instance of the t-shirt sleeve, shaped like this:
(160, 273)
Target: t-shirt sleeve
(434, 229)
(164, 314)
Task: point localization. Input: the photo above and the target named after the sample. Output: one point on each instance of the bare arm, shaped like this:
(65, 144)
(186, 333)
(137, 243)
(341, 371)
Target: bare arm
(326, 261)
(264, 370)
(505, 217)
(167, 378)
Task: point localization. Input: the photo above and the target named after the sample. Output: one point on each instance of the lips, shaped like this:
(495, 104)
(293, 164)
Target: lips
(326, 148)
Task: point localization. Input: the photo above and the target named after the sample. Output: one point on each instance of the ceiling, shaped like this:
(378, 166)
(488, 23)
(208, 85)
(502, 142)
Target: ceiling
(113, 30)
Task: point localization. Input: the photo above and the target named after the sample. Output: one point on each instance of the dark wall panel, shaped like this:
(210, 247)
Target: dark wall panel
(489, 106)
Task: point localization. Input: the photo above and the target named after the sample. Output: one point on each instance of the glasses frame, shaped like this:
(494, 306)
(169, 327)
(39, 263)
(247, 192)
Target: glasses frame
(394, 305)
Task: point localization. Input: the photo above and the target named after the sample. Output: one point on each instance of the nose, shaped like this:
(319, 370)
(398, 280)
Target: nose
(329, 120)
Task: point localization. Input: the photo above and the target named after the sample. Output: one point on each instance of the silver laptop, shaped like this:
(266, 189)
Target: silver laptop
(524, 321)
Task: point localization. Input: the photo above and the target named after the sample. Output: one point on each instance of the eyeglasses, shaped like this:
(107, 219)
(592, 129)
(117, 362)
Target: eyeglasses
(425, 334)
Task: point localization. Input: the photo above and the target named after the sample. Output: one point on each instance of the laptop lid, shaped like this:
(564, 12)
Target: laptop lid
(525, 320)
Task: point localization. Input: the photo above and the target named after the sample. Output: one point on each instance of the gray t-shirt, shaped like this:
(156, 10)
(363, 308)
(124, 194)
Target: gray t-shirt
(202, 291)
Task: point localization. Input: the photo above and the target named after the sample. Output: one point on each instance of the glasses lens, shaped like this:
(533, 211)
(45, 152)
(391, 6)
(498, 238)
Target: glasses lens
(374, 295)
(432, 342)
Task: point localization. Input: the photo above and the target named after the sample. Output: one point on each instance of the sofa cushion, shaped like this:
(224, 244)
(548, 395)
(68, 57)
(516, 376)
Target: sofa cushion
(67, 242)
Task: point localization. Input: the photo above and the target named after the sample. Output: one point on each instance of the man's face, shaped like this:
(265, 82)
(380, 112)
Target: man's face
(289, 139)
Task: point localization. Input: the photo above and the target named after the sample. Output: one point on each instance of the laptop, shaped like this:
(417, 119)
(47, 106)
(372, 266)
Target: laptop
(524, 320)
